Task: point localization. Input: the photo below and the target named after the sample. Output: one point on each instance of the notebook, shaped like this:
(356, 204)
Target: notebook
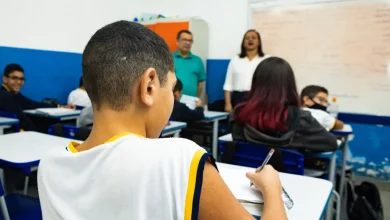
(55, 111)
(190, 101)
(239, 185)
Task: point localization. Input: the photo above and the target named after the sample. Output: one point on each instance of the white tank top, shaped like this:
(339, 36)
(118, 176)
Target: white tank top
(128, 177)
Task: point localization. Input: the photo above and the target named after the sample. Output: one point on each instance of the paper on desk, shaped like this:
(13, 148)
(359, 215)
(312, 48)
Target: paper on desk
(190, 101)
(239, 185)
(55, 111)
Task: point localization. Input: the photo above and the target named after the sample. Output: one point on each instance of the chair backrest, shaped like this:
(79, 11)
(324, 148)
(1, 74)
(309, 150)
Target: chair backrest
(253, 155)
(69, 131)
(10, 115)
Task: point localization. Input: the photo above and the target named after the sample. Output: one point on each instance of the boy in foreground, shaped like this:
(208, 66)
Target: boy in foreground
(122, 171)
(315, 100)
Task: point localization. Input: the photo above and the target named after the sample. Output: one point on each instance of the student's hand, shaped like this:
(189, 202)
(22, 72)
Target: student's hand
(68, 106)
(267, 181)
(228, 107)
(199, 103)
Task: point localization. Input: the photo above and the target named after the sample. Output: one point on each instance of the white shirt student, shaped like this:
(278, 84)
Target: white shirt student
(79, 96)
(324, 118)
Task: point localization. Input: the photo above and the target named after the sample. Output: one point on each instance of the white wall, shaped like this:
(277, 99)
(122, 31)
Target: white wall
(68, 25)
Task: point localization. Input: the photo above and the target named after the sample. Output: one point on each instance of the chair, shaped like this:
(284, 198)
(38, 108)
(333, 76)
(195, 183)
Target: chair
(10, 115)
(19, 207)
(252, 155)
(69, 131)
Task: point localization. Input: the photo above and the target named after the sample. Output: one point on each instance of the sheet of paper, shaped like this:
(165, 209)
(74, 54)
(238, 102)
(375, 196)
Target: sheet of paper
(55, 111)
(190, 101)
(239, 185)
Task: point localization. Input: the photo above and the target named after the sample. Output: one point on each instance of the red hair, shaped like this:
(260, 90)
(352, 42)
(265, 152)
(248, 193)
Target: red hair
(273, 90)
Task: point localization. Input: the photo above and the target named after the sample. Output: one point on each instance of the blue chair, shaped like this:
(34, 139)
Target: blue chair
(19, 207)
(69, 131)
(252, 155)
(10, 115)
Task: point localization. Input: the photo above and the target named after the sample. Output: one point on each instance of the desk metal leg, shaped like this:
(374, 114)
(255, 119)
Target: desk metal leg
(215, 139)
(177, 134)
(26, 180)
(331, 173)
(343, 166)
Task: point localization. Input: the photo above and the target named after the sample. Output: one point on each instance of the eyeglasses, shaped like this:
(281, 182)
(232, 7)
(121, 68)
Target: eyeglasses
(187, 40)
(16, 78)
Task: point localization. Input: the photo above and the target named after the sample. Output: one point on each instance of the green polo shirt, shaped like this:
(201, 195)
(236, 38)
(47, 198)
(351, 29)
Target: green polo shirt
(190, 70)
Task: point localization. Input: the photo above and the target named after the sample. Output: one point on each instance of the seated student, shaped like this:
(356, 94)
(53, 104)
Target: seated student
(86, 117)
(79, 96)
(181, 112)
(11, 100)
(272, 115)
(123, 171)
(315, 100)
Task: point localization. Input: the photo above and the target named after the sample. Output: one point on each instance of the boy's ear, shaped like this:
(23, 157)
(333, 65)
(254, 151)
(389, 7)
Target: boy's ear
(306, 99)
(148, 85)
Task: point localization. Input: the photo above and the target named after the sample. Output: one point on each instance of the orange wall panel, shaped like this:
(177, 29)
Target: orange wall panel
(169, 30)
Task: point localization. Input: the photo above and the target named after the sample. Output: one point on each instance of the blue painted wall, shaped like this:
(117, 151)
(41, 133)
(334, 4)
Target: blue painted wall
(49, 74)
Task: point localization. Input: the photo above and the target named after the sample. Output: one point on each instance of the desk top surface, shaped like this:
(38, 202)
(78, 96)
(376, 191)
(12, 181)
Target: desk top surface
(310, 195)
(347, 129)
(20, 149)
(174, 125)
(8, 121)
(211, 115)
(74, 113)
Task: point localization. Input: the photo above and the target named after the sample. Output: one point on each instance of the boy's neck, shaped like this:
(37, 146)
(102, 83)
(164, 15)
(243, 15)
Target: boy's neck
(110, 123)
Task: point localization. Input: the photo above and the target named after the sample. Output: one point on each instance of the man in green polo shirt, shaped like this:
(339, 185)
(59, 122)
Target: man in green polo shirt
(189, 68)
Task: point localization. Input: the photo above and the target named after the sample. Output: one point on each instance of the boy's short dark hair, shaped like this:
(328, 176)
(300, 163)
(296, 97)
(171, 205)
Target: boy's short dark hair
(178, 86)
(181, 32)
(312, 91)
(81, 82)
(11, 68)
(116, 56)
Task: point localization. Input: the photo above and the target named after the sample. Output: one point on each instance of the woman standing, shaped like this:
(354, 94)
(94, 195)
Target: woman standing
(241, 68)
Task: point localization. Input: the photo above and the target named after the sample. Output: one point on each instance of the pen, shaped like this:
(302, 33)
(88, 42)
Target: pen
(271, 152)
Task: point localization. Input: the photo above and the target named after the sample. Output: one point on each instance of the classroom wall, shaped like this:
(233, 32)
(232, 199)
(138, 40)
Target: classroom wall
(50, 27)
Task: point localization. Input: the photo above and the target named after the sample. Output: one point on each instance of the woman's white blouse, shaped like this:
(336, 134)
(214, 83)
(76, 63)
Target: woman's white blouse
(240, 73)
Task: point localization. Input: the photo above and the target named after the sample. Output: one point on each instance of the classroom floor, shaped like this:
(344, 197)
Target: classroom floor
(384, 188)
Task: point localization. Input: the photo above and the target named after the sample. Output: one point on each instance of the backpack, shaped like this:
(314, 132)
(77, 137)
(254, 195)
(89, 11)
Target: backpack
(365, 202)
(360, 202)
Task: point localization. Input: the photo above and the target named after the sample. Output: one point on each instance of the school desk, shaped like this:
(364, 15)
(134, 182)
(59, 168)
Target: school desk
(215, 117)
(310, 195)
(174, 128)
(62, 117)
(7, 123)
(344, 135)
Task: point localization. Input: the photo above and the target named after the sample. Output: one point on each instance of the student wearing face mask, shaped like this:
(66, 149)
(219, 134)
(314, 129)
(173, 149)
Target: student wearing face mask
(315, 100)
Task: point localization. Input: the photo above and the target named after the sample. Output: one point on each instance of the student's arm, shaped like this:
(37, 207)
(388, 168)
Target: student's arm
(338, 125)
(31, 104)
(314, 136)
(201, 78)
(181, 112)
(217, 201)
(228, 87)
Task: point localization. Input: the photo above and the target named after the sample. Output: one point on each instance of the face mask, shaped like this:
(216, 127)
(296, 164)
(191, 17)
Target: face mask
(318, 106)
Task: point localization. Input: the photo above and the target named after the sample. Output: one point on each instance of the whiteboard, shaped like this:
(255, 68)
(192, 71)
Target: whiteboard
(343, 46)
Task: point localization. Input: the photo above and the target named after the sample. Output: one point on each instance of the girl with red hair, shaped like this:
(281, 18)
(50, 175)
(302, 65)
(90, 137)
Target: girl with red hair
(271, 114)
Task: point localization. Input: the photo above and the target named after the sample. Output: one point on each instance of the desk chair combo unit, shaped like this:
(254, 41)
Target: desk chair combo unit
(252, 155)
(8, 120)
